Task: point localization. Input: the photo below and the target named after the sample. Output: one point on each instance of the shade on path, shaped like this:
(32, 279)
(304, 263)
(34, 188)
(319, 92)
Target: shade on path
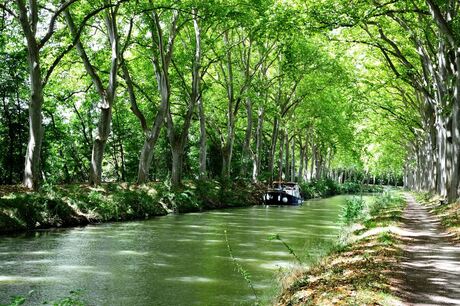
(431, 262)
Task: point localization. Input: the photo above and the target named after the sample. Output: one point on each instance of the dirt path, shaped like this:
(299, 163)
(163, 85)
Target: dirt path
(431, 266)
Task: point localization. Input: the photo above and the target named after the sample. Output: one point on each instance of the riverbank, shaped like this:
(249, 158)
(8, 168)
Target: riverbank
(80, 204)
(360, 270)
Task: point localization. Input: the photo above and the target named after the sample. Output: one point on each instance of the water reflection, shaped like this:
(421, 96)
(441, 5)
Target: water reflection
(172, 260)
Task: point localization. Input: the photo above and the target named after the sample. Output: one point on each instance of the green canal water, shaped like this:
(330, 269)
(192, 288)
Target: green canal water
(171, 260)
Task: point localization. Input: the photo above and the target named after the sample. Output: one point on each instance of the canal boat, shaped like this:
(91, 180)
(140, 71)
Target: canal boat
(283, 193)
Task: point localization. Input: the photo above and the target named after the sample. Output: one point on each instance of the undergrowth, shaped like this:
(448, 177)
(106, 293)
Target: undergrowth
(328, 187)
(73, 205)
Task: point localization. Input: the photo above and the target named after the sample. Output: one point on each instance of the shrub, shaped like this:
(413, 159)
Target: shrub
(383, 202)
(353, 209)
(319, 188)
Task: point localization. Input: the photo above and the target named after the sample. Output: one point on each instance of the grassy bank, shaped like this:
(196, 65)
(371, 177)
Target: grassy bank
(80, 204)
(448, 213)
(357, 270)
(73, 205)
(327, 187)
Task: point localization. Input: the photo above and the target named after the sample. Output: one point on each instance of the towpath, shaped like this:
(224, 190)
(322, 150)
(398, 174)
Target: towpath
(431, 263)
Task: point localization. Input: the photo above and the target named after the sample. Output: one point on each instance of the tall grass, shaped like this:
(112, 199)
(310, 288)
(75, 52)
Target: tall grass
(353, 209)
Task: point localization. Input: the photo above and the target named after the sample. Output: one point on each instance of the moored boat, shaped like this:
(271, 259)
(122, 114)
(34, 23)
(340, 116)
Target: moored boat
(283, 193)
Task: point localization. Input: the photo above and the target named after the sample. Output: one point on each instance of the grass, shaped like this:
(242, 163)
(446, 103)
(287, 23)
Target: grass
(79, 204)
(359, 271)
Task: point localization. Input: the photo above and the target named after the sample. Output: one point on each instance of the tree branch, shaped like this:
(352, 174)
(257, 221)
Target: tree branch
(52, 23)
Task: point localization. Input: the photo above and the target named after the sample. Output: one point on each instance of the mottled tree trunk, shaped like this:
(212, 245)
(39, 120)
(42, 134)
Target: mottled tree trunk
(246, 151)
(280, 156)
(293, 160)
(455, 172)
(177, 153)
(313, 159)
(203, 139)
(274, 139)
(178, 140)
(97, 155)
(107, 95)
(161, 62)
(287, 154)
(33, 153)
(441, 138)
(145, 159)
(301, 160)
(256, 160)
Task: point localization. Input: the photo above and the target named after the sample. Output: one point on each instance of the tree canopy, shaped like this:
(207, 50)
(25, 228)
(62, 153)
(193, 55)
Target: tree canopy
(105, 90)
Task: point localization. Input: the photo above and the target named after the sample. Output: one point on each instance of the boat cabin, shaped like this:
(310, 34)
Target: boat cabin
(283, 193)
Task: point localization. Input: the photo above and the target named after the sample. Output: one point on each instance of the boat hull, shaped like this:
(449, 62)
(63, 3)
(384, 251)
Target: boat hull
(281, 198)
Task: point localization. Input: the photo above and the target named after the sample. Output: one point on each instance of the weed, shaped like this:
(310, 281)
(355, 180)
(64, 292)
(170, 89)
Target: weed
(291, 250)
(353, 209)
(239, 268)
(15, 301)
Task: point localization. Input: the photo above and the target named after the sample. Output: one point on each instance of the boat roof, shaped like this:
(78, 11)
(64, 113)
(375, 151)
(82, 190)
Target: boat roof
(285, 183)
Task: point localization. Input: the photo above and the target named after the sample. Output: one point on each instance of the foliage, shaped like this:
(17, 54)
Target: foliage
(329, 187)
(71, 205)
(73, 299)
(266, 75)
(353, 209)
(387, 200)
(319, 188)
(16, 301)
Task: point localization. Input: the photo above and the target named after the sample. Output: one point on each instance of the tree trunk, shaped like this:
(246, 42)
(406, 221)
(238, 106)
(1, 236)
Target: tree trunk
(107, 95)
(161, 66)
(97, 155)
(302, 160)
(305, 171)
(246, 151)
(203, 151)
(177, 152)
(318, 162)
(293, 160)
(33, 153)
(441, 138)
(145, 159)
(453, 194)
(280, 156)
(313, 159)
(271, 160)
(256, 160)
(178, 140)
(287, 165)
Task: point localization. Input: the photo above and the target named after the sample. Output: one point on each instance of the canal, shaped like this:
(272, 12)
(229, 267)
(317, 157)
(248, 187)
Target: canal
(171, 260)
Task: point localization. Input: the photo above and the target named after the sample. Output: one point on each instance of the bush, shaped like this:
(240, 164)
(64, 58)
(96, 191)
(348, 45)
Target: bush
(35, 210)
(319, 188)
(350, 187)
(384, 201)
(353, 209)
